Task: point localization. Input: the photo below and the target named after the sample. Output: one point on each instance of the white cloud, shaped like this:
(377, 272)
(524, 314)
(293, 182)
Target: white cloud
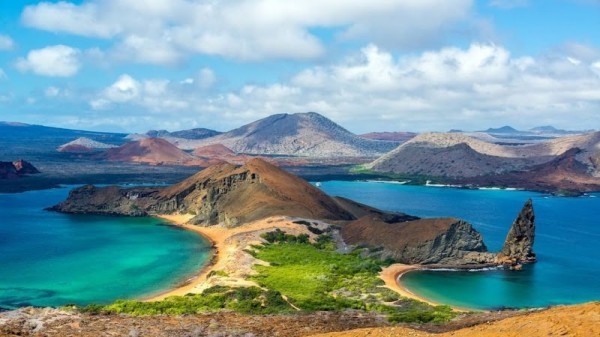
(166, 31)
(156, 95)
(470, 88)
(85, 19)
(2, 74)
(56, 61)
(6, 43)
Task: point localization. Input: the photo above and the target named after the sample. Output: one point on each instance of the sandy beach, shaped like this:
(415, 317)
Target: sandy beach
(391, 276)
(229, 256)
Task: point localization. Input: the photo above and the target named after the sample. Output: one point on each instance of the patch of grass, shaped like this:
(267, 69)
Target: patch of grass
(246, 300)
(280, 236)
(321, 279)
(312, 277)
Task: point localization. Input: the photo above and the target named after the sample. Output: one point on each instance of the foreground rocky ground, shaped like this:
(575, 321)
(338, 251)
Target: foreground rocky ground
(55, 322)
(580, 320)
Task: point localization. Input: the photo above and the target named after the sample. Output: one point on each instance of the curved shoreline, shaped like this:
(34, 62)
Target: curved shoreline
(217, 236)
(202, 274)
(224, 251)
(392, 277)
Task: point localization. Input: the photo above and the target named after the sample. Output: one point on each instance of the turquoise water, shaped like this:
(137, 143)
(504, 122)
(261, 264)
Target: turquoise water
(52, 259)
(567, 238)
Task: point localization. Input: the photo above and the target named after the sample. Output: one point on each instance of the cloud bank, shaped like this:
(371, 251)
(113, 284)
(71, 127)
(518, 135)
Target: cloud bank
(474, 87)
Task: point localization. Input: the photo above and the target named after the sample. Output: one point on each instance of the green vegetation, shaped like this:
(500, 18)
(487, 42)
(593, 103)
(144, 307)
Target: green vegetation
(410, 179)
(315, 277)
(247, 300)
(280, 236)
(300, 275)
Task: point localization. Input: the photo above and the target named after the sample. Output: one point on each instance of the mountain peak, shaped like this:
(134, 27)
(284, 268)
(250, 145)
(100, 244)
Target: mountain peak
(503, 129)
(299, 134)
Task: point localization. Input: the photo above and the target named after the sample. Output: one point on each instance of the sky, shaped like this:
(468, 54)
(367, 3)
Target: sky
(377, 65)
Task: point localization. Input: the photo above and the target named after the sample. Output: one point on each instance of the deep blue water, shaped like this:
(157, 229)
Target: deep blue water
(52, 259)
(567, 243)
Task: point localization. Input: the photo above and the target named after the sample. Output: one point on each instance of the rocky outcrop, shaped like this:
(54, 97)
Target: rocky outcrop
(16, 169)
(235, 195)
(518, 246)
(110, 200)
(444, 241)
(221, 194)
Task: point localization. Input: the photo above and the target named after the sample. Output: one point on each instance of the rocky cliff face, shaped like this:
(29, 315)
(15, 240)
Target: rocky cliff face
(234, 195)
(110, 200)
(444, 241)
(424, 241)
(224, 194)
(518, 247)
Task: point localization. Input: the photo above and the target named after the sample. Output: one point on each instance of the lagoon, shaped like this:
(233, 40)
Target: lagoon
(567, 237)
(53, 259)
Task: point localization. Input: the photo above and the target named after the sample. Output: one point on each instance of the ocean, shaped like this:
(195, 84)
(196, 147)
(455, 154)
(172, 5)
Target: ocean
(566, 243)
(53, 259)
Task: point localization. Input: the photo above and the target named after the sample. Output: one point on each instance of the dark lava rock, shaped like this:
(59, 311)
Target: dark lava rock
(518, 247)
(16, 169)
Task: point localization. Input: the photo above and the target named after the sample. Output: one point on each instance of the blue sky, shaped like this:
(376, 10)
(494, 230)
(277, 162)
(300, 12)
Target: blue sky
(412, 65)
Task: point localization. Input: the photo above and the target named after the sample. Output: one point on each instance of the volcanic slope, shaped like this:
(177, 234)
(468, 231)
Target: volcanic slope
(232, 196)
(84, 144)
(457, 155)
(224, 193)
(300, 134)
(235, 195)
(150, 151)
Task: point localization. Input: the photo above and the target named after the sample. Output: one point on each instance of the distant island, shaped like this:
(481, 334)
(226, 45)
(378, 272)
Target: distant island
(16, 169)
(545, 158)
(219, 194)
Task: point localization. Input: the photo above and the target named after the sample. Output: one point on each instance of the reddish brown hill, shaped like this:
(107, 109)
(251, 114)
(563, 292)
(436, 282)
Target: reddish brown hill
(219, 153)
(564, 172)
(234, 195)
(150, 151)
(222, 193)
(212, 151)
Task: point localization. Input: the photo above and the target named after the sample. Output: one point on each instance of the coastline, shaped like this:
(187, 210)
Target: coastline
(201, 276)
(228, 245)
(224, 254)
(392, 277)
